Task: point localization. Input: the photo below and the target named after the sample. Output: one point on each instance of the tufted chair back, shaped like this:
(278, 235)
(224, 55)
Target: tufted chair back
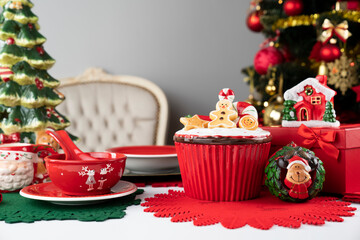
(110, 111)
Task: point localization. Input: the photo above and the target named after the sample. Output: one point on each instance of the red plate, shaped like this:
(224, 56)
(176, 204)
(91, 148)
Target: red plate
(145, 150)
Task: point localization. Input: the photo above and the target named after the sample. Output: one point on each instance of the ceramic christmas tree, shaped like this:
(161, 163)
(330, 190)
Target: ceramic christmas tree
(27, 92)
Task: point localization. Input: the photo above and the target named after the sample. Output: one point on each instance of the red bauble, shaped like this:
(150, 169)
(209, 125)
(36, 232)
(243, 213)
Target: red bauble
(39, 84)
(329, 52)
(40, 50)
(10, 41)
(293, 7)
(253, 21)
(266, 57)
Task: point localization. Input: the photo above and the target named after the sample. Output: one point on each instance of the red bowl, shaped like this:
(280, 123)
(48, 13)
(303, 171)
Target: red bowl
(84, 178)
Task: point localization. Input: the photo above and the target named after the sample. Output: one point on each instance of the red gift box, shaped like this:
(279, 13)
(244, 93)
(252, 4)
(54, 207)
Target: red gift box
(338, 148)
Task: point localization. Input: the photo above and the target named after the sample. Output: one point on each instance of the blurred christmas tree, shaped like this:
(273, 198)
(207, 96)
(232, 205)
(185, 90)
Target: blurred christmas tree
(27, 92)
(305, 38)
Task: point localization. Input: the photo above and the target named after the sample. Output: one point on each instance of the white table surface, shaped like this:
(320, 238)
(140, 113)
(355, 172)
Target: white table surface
(138, 224)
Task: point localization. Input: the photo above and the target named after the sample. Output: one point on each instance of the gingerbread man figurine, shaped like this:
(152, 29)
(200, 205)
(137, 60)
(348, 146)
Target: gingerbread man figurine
(225, 114)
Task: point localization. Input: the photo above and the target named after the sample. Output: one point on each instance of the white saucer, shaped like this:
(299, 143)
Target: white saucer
(49, 192)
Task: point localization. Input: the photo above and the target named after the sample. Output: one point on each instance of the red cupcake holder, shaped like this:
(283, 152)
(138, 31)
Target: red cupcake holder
(222, 172)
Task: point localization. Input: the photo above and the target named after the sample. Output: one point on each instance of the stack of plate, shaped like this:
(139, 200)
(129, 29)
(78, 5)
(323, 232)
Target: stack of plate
(149, 160)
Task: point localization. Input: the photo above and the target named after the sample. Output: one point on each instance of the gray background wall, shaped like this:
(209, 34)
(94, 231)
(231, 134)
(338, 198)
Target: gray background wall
(189, 48)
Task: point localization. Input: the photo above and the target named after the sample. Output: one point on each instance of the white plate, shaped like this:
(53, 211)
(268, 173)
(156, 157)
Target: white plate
(49, 192)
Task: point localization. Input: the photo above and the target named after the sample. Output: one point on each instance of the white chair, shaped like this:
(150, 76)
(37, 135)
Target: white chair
(110, 111)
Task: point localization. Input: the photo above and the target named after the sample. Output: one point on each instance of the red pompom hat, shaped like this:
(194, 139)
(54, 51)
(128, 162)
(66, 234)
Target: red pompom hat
(299, 160)
(227, 93)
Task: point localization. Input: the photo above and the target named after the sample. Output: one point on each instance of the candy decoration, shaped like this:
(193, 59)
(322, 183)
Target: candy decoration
(226, 93)
(330, 52)
(193, 122)
(253, 21)
(6, 73)
(293, 7)
(248, 116)
(224, 115)
(228, 114)
(244, 108)
(51, 111)
(294, 174)
(266, 57)
(248, 122)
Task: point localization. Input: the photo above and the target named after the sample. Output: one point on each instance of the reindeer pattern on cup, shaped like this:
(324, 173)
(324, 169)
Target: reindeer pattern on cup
(90, 173)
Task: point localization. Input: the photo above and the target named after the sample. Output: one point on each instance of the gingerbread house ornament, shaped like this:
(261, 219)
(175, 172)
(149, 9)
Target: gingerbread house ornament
(311, 103)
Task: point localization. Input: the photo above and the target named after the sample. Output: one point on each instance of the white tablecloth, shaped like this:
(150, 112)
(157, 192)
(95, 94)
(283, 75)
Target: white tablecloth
(138, 224)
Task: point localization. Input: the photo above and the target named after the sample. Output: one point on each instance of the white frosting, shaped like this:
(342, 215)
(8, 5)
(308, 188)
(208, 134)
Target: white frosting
(224, 132)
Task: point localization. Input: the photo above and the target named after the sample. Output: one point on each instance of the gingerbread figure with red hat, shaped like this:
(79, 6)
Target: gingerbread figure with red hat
(225, 114)
(298, 179)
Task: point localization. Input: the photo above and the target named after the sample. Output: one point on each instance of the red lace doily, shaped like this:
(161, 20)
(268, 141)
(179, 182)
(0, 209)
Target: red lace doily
(261, 213)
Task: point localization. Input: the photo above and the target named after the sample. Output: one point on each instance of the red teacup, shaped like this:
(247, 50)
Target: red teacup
(80, 177)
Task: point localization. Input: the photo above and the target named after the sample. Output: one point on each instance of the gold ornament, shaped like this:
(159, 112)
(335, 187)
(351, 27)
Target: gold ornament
(342, 73)
(274, 107)
(270, 87)
(323, 69)
(307, 20)
(273, 114)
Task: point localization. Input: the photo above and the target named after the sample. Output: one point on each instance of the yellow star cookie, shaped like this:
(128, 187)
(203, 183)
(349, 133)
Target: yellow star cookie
(193, 122)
